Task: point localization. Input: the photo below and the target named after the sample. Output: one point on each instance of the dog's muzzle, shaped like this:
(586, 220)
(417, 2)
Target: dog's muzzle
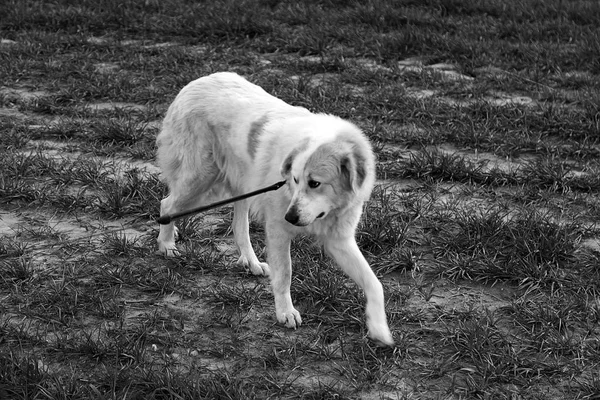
(292, 216)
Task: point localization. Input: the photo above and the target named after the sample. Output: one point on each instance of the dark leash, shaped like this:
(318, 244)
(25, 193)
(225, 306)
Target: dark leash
(166, 219)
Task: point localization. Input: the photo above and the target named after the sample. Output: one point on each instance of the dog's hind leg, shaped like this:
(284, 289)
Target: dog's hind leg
(242, 239)
(183, 195)
(350, 259)
(166, 235)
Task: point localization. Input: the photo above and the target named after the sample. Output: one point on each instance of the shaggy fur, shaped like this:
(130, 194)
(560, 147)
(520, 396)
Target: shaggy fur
(225, 136)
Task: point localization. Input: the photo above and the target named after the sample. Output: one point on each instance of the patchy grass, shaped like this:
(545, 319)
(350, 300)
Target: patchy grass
(483, 227)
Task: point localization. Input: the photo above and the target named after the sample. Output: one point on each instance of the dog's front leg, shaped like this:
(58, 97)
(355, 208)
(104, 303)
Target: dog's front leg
(278, 254)
(348, 256)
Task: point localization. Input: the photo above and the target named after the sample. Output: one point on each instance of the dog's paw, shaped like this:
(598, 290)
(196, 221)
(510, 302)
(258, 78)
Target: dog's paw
(167, 250)
(381, 335)
(290, 318)
(256, 267)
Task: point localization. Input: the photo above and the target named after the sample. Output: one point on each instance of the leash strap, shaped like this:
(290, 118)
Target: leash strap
(166, 219)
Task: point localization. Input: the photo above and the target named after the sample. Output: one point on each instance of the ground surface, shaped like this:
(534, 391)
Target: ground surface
(483, 227)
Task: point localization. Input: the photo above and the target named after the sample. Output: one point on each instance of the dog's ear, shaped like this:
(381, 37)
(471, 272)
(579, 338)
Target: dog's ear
(286, 166)
(353, 170)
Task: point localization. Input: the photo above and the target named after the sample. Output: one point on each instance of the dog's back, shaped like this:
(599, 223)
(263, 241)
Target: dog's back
(207, 126)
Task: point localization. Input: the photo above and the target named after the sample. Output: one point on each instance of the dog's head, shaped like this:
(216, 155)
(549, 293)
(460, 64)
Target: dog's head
(328, 177)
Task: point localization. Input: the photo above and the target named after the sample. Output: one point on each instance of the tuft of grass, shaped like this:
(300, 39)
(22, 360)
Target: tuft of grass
(434, 164)
(488, 355)
(11, 248)
(526, 248)
(119, 244)
(384, 225)
(17, 271)
(544, 174)
(123, 129)
(135, 192)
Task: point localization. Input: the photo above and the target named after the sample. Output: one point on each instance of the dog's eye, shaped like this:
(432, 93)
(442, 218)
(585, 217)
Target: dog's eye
(313, 184)
(296, 180)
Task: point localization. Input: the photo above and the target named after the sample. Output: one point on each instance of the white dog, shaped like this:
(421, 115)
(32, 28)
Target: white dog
(225, 136)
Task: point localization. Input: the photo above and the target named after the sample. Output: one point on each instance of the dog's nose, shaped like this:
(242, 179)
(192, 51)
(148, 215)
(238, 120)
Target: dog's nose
(292, 216)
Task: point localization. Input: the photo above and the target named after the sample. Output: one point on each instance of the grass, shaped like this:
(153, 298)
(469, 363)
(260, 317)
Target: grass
(483, 227)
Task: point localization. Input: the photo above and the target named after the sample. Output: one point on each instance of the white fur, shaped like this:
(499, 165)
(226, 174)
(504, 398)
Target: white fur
(225, 136)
